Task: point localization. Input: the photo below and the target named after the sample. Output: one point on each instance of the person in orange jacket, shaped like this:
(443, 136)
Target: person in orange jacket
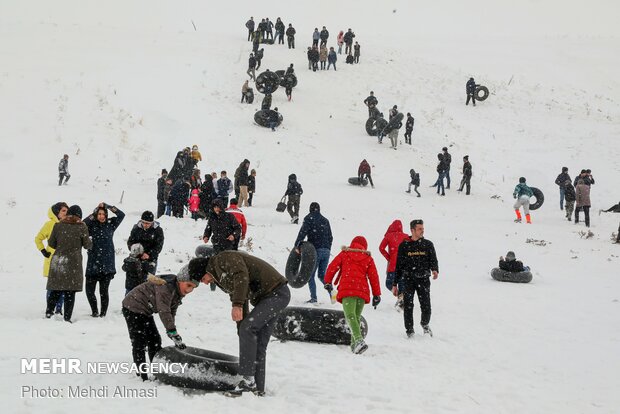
(355, 268)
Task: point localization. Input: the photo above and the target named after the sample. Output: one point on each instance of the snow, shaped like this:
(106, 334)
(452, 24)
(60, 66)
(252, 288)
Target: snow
(122, 86)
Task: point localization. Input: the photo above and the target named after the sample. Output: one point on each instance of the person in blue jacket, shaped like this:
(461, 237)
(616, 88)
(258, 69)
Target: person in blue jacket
(319, 233)
(100, 266)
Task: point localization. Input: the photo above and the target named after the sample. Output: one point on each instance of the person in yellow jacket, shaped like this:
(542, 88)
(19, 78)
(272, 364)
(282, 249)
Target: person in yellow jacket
(55, 213)
(196, 156)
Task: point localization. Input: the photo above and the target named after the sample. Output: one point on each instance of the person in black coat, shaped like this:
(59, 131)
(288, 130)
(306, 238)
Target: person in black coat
(259, 57)
(409, 128)
(252, 67)
(266, 104)
(371, 102)
(559, 181)
(415, 263)
(470, 89)
(250, 26)
(348, 41)
(222, 229)
(100, 267)
(161, 199)
(251, 186)
(290, 36)
(570, 197)
(279, 26)
(178, 197)
(314, 58)
(178, 166)
(256, 39)
(324, 35)
(511, 264)
(150, 235)
(467, 173)
(293, 192)
(447, 159)
(207, 194)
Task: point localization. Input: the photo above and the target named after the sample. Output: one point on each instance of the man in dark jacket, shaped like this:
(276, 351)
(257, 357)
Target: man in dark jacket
(470, 90)
(415, 263)
(279, 26)
(467, 173)
(447, 159)
(290, 36)
(371, 102)
(586, 176)
(150, 235)
(313, 56)
(319, 233)
(409, 128)
(161, 200)
(348, 41)
(364, 172)
(241, 182)
(274, 118)
(562, 177)
(259, 57)
(178, 198)
(63, 170)
(268, 29)
(222, 228)
(293, 192)
(250, 26)
(252, 67)
(161, 295)
(324, 35)
(207, 194)
(511, 264)
(570, 196)
(247, 279)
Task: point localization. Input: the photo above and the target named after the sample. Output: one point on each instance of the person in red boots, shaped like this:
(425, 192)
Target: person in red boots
(389, 249)
(355, 268)
(522, 193)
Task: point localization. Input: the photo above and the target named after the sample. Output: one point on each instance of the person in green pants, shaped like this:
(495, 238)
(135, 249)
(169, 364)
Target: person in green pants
(355, 268)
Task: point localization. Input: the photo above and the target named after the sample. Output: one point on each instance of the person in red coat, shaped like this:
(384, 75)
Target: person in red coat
(235, 211)
(355, 268)
(392, 239)
(363, 171)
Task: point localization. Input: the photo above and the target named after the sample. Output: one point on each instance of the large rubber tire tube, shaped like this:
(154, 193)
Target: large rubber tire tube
(206, 370)
(204, 251)
(267, 82)
(299, 267)
(394, 123)
(513, 277)
(540, 199)
(327, 326)
(371, 128)
(262, 118)
(481, 93)
(356, 181)
(289, 79)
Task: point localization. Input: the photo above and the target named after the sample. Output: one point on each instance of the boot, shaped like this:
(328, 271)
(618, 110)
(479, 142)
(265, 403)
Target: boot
(528, 220)
(518, 219)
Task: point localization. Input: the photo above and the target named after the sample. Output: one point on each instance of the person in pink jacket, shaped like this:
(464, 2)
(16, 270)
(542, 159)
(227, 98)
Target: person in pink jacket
(194, 203)
(389, 249)
(340, 40)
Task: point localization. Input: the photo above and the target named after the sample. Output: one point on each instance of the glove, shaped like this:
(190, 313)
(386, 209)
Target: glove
(176, 338)
(375, 301)
(45, 253)
(328, 287)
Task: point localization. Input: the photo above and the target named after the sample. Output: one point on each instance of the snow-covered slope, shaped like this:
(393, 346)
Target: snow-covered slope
(122, 87)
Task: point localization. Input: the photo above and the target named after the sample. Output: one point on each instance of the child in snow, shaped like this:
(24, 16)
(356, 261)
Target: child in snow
(135, 268)
(160, 294)
(355, 268)
(522, 193)
(194, 203)
(251, 186)
(196, 156)
(415, 181)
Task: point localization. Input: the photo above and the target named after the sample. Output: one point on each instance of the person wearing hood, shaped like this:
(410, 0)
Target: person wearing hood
(159, 294)
(241, 182)
(290, 36)
(55, 213)
(150, 235)
(613, 209)
(293, 192)
(467, 173)
(66, 274)
(63, 170)
(356, 269)
(319, 233)
(193, 203)
(363, 172)
(511, 264)
(393, 237)
(248, 280)
(100, 267)
(415, 182)
(178, 167)
(415, 263)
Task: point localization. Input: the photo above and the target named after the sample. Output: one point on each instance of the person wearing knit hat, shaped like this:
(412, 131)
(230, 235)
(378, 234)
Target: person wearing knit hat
(248, 280)
(150, 235)
(66, 276)
(55, 213)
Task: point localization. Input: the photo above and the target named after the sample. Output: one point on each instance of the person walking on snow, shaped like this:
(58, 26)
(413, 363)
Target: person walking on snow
(409, 128)
(570, 197)
(583, 201)
(415, 263)
(415, 182)
(63, 170)
(393, 237)
(356, 269)
(293, 192)
(522, 193)
(252, 67)
(467, 173)
(441, 173)
(470, 89)
(193, 204)
(331, 58)
(559, 181)
(319, 233)
(363, 172)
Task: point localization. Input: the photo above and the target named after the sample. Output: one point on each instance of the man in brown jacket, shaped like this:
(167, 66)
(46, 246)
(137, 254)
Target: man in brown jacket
(247, 279)
(159, 294)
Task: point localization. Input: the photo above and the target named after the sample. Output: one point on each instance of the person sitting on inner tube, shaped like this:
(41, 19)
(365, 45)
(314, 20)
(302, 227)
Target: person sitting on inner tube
(274, 118)
(511, 264)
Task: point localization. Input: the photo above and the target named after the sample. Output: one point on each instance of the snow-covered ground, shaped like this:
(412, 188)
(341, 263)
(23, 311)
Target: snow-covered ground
(121, 87)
